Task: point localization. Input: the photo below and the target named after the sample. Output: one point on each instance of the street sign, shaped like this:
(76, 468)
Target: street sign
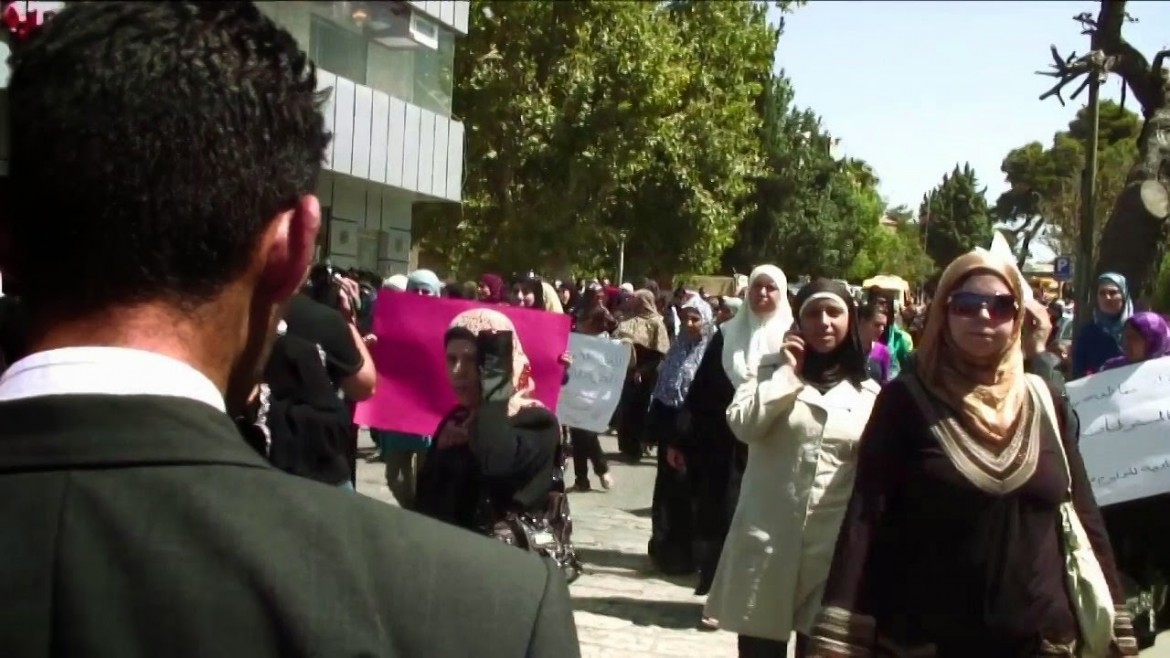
(1062, 268)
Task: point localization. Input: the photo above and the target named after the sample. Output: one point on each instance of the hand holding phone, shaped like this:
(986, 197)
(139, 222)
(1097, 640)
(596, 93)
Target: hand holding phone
(494, 356)
(1037, 327)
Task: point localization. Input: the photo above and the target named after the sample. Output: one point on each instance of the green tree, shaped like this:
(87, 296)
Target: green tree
(682, 215)
(954, 216)
(1161, 300)
(1133, 241)
(577, 112)
(896, 250)
(1043, 201)
(809, 212)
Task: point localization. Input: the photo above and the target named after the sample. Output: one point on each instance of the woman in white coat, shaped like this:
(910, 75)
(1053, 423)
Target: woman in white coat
(801, 415)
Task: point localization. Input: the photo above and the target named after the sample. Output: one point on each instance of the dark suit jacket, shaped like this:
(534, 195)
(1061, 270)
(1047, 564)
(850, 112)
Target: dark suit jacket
(144, 526)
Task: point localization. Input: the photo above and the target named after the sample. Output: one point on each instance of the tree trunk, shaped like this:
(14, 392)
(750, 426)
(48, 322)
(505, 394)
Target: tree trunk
(1134, 240)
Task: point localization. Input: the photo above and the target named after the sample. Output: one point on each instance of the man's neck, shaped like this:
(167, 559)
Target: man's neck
(192, 338)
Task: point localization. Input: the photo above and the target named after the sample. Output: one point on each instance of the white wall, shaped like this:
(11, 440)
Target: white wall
(452, 13)
(370, 224)
(386, 140)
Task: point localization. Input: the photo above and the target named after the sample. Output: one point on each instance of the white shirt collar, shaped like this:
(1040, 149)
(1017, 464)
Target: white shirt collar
(106, 371)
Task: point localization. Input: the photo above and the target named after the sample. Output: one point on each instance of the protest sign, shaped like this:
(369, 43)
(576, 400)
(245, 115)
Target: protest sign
(595, 382)
(1125, 427)
(413, 392)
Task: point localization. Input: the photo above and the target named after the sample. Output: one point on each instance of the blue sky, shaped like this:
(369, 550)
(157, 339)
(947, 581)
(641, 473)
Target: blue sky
(914, 87)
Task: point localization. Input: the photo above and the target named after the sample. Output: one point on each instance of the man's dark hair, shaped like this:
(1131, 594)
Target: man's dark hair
(151, 144)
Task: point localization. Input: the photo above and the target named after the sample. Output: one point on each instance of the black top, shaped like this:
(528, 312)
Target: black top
(931, 558)
(143, 526)
(507, 466)
(308, 423)
(326, 327)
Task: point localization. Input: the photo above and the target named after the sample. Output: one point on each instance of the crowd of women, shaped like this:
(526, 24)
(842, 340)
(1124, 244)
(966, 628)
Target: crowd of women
(822, 476)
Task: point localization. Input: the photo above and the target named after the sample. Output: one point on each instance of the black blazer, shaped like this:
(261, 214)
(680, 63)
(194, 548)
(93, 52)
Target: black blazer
(142, 526)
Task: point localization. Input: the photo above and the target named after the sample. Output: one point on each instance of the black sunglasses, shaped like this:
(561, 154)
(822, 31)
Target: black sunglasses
(971, 304)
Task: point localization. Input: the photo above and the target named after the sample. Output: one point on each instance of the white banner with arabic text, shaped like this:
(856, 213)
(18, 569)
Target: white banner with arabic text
(1125, 430)
(595, 382)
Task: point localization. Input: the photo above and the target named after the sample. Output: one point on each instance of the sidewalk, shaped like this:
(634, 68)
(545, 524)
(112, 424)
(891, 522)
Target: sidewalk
(623, 608)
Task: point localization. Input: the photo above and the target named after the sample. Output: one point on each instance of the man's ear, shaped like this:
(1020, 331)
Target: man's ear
(288, 247)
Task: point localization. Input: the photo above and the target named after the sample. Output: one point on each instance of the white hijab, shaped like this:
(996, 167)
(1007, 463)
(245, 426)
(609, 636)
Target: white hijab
(749, 336)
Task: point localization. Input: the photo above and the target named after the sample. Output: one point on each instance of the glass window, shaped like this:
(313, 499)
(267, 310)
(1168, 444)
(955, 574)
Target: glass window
(434, 75)
(338, 50)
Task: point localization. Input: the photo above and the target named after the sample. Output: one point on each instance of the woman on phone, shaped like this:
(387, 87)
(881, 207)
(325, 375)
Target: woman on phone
(801, 415)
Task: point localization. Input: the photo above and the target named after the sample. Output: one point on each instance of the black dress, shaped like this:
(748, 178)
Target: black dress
(508, 466)
(715, 459)
(635, 402)
(933, 557)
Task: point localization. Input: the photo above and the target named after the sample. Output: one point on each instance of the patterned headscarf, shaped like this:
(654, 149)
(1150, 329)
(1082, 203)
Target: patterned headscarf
(683, 359)
(991, 410)
(478, 320)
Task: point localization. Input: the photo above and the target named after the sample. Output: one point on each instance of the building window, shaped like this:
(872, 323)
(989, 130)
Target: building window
(338, 50)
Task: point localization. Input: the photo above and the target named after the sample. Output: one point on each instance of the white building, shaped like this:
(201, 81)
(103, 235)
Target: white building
(390, 64)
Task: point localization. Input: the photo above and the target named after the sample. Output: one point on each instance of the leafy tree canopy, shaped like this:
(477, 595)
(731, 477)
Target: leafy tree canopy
(893, 250)
(954, 217)
(1044, 198)
(589, 120)
(809, 213)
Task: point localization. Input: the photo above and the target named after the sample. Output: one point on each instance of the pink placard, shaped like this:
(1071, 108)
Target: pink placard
(413, 392)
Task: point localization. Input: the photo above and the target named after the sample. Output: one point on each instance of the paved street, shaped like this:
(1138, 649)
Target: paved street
(623, 608)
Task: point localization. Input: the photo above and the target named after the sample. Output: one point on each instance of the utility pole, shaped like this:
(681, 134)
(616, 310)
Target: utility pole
(621, 273)
(1084, 274)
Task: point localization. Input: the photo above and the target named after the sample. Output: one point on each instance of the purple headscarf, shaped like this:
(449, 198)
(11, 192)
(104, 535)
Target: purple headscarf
(1154, 330)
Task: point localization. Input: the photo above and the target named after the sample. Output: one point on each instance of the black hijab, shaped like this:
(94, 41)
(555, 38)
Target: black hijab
(848, 361)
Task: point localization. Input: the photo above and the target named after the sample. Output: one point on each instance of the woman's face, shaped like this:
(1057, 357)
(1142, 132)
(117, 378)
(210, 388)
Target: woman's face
(424, 292)
(763, 295)
(692, 322)
(522, 296)
(565, 295)
(483, 292)
(1132, 344)
(824, 324)
(463, 370)
(873, 328)
(981, 315)
(1110, 299)
(722, 314)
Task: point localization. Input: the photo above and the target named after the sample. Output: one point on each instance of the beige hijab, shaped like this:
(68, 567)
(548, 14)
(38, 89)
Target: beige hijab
(645, 327)
(486, 319)
(552, 300)
(988, 411)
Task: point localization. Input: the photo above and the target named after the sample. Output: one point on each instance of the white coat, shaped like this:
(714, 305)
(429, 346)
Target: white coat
(802, 457)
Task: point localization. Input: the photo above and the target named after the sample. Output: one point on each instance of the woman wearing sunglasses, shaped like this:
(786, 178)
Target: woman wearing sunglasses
(951, 545)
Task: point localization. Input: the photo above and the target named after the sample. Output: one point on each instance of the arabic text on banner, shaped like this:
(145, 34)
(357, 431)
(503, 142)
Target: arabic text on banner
(1125, 430)
(595, 382)
(413, 392)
